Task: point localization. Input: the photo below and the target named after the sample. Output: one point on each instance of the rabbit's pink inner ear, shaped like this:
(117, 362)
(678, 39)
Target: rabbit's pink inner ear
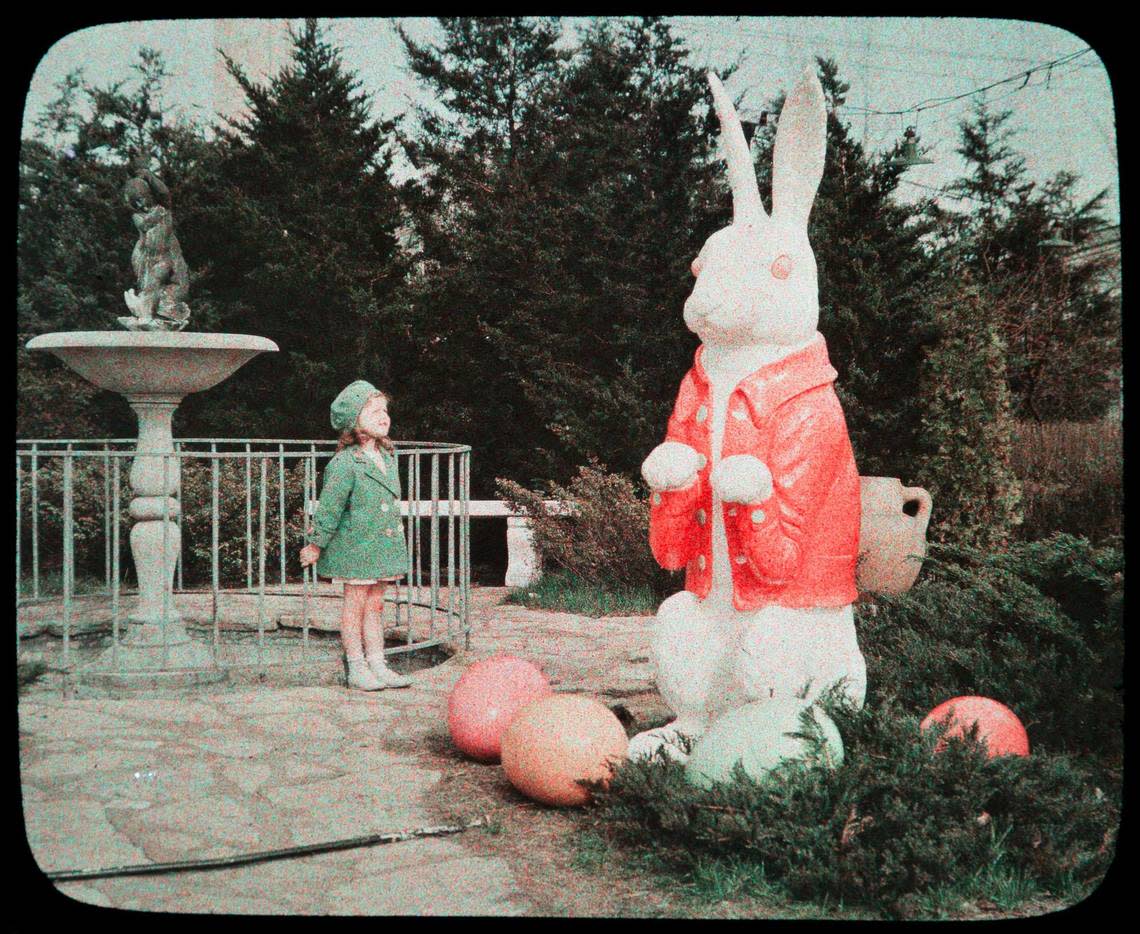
(798, 153)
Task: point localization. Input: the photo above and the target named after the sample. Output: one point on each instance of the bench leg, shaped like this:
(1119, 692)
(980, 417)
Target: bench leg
(522, 559)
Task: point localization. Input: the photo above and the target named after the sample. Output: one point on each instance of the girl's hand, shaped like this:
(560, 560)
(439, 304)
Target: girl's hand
(309, 555)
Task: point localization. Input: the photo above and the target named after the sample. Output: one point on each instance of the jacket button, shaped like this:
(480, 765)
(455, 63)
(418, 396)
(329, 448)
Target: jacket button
(383, 507)
(738, 414)
(656, 499)
(741, 559)
(732, 511)
(702, 413)
(757, 515)
(701, 562)
(700, 517)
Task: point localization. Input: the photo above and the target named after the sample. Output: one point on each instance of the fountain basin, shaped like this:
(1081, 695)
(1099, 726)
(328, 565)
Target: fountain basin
(153, 364)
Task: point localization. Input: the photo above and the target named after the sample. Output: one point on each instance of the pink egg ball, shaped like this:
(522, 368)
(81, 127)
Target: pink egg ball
(486, 699)
(997, 724)
(558, 741)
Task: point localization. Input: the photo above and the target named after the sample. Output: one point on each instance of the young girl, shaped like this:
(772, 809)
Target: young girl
(357, 538)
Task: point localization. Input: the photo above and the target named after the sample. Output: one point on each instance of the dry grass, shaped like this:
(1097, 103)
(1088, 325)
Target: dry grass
(537, 843)
(1072, 474)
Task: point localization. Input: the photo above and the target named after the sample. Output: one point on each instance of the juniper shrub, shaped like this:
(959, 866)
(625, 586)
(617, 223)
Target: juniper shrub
(1038, 627)
(893, 821)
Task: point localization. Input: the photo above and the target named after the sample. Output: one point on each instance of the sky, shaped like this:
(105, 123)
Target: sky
(1064, 115)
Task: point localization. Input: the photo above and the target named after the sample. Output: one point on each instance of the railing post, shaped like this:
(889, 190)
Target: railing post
(248, 519)
(19, 569)
(281, 506)
(178, 496)
(410, 538)
(261, 566)
(450, 542)
(35, 523)
(215, 569)
(68, 554)
(107, 515)
(116, 571)
(434, 544)
(467, 549)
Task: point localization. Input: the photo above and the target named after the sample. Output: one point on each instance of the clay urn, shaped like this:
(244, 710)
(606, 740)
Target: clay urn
(892, 535)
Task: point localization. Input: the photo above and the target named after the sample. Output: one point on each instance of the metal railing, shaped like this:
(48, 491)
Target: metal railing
(241, 506)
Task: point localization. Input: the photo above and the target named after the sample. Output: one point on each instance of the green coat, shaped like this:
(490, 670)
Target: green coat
(357, 523)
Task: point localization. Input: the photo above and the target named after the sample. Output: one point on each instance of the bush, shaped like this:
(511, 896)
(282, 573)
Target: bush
(233, 541)
(1039, 628)
(90, 510)
(1072, 476)
(894, 821)
(602, 534)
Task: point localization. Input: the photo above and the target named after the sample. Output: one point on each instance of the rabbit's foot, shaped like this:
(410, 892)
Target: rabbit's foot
(741, 478)
(671, 740)
(671, 466)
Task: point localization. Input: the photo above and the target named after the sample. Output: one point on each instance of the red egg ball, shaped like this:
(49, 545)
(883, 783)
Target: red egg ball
(999, 726)
(558, 741)
(486, 699)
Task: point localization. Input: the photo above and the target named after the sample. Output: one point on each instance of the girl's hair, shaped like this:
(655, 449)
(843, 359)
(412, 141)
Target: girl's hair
(352, 436)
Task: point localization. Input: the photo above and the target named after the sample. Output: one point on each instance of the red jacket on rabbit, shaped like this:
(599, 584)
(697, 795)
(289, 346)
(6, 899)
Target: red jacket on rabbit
(797, 548)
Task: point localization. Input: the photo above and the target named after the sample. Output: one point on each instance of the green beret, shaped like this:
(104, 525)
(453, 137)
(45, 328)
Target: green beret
(346, 407)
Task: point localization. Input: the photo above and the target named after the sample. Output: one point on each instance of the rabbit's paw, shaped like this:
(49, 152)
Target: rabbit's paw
(741, 479)
(671, 466)
(666, 740)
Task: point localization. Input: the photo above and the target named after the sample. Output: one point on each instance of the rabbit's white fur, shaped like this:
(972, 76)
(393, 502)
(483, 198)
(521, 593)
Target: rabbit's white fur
(709, 656)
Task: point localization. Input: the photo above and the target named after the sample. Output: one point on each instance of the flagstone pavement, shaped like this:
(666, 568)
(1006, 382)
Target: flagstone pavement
(236, 768)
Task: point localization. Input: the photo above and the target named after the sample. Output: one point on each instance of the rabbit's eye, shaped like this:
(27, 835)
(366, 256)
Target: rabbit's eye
(696, 266)
(782, 266)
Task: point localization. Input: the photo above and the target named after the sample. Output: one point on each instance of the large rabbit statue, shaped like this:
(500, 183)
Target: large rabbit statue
(755, 491)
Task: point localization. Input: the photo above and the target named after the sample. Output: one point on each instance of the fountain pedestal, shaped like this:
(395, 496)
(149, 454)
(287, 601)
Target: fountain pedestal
(154, 370)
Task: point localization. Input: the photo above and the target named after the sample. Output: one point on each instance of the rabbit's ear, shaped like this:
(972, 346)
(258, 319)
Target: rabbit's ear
(746, 203)
(797, 158)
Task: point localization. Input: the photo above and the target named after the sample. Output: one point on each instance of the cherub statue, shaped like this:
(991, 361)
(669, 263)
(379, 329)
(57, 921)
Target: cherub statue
(163, 278)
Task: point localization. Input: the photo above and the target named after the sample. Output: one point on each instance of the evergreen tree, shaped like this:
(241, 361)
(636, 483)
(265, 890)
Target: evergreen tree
(568, 242)
(874, 283)
(299, 221)
(1059, 319)
(74, 232)
(599, 346)
(967, 427)
(476, 231)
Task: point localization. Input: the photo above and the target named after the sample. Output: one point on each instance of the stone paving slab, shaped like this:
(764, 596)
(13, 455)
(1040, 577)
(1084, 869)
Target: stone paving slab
(239, 768)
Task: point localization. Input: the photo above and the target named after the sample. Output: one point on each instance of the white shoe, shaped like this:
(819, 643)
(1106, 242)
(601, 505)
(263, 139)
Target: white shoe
(361, 676)
(386, 676)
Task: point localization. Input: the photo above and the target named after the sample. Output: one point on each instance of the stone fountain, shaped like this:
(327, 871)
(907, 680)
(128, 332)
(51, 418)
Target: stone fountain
(154, 365)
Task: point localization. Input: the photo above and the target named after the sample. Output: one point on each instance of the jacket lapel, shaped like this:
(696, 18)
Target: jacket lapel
(389, 481)
(771, 386)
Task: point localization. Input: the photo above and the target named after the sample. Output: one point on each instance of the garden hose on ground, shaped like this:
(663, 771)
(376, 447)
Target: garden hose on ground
(223, 862)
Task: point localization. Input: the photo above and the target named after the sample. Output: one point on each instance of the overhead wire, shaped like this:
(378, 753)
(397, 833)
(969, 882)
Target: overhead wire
(820, 39)
(932, 102)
